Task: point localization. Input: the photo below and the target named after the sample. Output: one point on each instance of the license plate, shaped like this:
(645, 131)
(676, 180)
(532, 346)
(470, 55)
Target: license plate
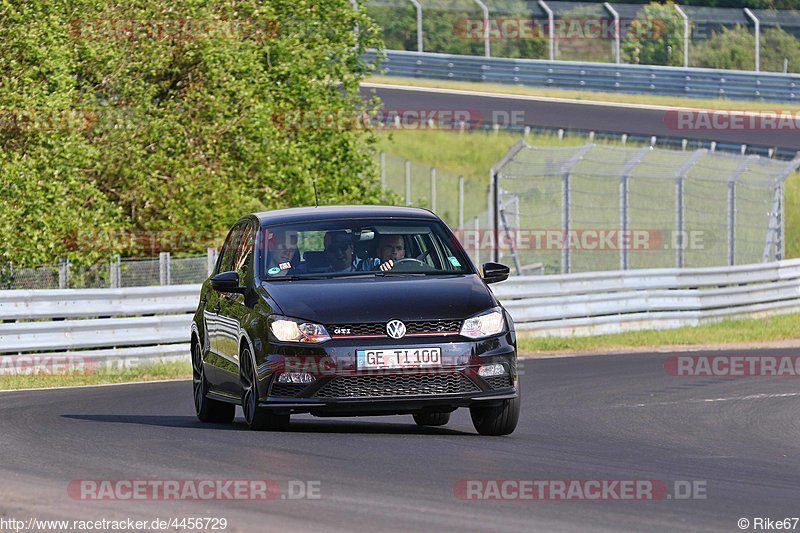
(399, 358)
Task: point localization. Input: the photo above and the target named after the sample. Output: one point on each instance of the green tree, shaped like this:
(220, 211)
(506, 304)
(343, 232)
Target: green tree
(181, 130)
(449, 27)
(579, 48)
(655, 36)
(735, 49)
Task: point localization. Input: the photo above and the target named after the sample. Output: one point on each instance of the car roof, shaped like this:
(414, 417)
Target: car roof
(337, 212)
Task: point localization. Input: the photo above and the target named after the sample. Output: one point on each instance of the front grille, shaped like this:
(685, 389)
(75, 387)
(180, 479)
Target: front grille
(420, 327)
(392, 385)
(433, 326)
(499, 382)
(286, 389)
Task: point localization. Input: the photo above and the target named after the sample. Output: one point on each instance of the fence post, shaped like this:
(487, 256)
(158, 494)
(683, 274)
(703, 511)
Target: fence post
(565, 258)
(163, 268)
(479, 240)
(781, 223)
(757, 28)
(550, 32)
(679, 259)
(408, 182)
(610, 9)
(433, 189)
(63, 273)
(732, 209)
(211, 259)
(680, 175)
(113, 282)
(686, 35)
(624, 195)
(565, 207)
(461, 201)
(383, 169)
(418, 8)
(486, 50)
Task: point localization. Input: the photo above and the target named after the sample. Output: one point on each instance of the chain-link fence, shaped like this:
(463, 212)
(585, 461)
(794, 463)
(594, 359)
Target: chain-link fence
(596, 208)
(587, 31)
(131, 272)
(456, 199)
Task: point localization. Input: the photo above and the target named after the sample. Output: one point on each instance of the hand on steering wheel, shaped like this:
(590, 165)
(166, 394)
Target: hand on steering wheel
(388, 265)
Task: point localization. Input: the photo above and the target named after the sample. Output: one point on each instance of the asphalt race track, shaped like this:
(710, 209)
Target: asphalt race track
(613, 417)
(586, 116)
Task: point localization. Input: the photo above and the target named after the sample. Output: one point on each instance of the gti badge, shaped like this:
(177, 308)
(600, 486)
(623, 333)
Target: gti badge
(396, 329)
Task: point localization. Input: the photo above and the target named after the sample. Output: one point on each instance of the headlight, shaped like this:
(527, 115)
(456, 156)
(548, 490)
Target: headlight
(485, 324)
(292, 330)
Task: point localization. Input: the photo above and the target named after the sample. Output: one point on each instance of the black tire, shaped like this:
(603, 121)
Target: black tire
(432, 419)
(206, 409)
(257, 418)
(501, 420)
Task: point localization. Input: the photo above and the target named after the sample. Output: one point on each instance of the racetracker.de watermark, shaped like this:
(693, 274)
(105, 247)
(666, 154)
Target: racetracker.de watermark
(564, 29)
(733, 366)
(714, 120)
(579, 489)
(588, 239)
(192, 489)
(153, 241)
(67, 364)
(173, 29)
(403, 119)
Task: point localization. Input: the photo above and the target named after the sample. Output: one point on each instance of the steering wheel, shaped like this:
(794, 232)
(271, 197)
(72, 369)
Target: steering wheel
(410, 260)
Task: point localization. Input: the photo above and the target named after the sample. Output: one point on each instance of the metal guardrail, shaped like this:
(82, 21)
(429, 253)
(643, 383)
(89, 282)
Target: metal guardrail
(631, 79)
(610, 302)
(97, 325)
(86, 303)
(559, 305)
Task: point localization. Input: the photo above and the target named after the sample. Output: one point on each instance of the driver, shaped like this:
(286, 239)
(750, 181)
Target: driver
(391, 248)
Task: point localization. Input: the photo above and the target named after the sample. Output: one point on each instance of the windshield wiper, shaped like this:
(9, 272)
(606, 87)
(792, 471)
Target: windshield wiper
(294, 278)
(323, 276)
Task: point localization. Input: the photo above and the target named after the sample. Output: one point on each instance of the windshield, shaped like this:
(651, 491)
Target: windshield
(366, 247)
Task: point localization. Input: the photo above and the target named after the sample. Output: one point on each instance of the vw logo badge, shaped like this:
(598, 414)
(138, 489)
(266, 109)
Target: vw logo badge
(396, 329)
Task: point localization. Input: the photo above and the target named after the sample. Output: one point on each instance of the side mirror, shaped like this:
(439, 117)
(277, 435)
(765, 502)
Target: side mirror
(227, 282)
(494, 272)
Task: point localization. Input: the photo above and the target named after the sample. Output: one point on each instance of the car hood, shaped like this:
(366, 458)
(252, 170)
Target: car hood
(380, 299)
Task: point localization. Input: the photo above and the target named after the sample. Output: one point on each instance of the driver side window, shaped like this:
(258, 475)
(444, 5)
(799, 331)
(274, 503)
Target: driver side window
(228, 253)
(244, 251)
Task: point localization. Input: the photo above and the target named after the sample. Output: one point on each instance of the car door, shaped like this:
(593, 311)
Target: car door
(233, 310)
(213, 299)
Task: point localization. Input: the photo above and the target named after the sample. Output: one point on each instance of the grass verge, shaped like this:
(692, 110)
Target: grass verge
(775, 328)
(589, 96)
(150, 372)
(468, 154)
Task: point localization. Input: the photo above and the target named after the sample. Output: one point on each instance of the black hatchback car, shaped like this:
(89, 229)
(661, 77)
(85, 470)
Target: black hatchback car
(352, 311)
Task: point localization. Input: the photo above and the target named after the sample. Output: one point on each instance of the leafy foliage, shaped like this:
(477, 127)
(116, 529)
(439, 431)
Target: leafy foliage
(456, 27)
(734, 49)
(661, 28)
(105, 127)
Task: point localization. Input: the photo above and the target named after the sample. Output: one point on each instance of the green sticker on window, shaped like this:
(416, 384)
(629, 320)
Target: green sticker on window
(274, 270)
(454, 261)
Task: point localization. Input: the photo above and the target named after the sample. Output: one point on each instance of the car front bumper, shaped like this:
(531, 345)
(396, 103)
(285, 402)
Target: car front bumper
(340, 388)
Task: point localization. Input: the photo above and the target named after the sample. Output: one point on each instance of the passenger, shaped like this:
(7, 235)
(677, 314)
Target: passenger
(339, 250)
(391, 248)
(282, 251)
